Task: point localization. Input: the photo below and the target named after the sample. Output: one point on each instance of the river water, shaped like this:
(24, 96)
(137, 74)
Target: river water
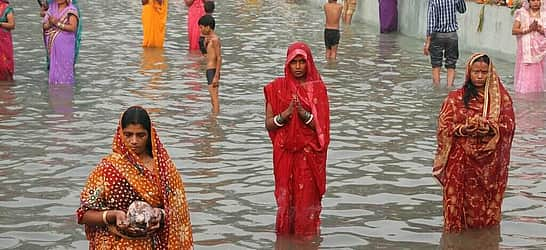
(383, 112)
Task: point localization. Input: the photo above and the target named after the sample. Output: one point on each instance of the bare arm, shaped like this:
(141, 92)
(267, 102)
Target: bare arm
(517, 30)
(95, 217)
(10, 24)
(72, 24)
(218, 53)
(286, 116)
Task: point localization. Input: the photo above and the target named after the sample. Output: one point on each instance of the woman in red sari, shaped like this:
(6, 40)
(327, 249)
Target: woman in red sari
(196, 10)
(298, 122)
(7, 23)
(475, 130)
(138, 169)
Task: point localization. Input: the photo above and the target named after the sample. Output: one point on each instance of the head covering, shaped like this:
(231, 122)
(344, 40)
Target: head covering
(300, 48)
(312, 77)
(491, 106)
(532, 45)
(492, 100)
(177, 230)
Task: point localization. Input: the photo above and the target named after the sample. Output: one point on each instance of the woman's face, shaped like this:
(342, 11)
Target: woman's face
(534, 4)
(478, 74)
(136, 137)
(298, 67)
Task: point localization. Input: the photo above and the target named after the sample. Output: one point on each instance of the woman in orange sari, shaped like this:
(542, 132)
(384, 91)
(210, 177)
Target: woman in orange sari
(475, 130)
(154, 21)
(7, 23)
(298, 122)
(196, 10)
(138, 169)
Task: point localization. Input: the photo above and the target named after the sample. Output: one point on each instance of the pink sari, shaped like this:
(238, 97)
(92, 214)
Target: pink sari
(531, 49)
(6, 50)
(196, 10)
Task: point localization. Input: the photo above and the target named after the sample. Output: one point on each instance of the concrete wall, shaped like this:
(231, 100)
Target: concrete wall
(495, 38)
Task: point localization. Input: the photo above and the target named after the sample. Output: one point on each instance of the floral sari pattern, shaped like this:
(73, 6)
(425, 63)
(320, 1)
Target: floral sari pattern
(473, 170)
(119, 179)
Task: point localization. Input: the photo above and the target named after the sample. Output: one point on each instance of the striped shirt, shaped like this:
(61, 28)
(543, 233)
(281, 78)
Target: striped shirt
(441, 16)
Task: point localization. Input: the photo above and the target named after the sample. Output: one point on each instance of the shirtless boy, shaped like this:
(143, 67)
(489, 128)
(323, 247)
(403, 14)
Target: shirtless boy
(332, 11)
(214, 59)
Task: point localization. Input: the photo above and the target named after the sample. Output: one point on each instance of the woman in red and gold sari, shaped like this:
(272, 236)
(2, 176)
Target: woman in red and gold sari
(475, 130)
(298, 122)
(138, 169)
(7, 23)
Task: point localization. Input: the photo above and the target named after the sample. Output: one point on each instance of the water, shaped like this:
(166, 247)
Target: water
(383, 112)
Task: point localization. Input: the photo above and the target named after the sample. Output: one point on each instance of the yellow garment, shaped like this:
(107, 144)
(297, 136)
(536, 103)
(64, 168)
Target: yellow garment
(154, 21)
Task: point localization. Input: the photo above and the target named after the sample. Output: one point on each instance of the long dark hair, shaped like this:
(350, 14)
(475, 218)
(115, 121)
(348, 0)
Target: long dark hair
(138, 116)
(470, 90)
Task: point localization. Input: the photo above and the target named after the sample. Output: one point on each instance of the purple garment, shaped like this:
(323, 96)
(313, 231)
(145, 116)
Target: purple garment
(61, 45)
(388, 15)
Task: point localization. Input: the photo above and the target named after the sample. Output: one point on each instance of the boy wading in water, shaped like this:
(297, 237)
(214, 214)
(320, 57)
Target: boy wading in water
(332, 11)
(214, 59)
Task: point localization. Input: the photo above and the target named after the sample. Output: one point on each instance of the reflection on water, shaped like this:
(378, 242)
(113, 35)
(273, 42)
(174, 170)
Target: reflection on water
(61, 99)
(8, 105)
(383, 111)
(484, 239)
(292, 243)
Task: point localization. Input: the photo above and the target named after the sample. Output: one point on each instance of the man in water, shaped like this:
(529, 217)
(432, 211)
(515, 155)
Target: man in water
(332, 11)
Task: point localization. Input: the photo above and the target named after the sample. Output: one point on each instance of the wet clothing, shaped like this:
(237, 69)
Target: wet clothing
(472, 167)
(331, 37)
(529, 73)
(119, 179)
(210, 75)
(154, 22)
(299, 152)
(388, 15)
(7, 65)
(444, 46)
(62, 46)
(195, 12)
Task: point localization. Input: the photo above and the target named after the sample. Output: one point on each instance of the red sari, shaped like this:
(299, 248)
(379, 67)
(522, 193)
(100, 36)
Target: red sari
(6, 50)
(473, 170)
(299, 152)
(120, 179)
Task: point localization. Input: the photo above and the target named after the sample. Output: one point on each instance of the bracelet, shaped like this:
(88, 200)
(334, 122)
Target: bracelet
(310, 119)
(278, 120)
(104, 219)
(62, 26)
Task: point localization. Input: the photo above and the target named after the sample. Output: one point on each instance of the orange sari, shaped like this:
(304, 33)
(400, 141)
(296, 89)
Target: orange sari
(119, 179)
(473, 170)
(154, 21)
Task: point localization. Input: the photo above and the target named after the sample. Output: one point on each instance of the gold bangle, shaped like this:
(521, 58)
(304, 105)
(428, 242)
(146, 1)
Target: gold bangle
(104, 219)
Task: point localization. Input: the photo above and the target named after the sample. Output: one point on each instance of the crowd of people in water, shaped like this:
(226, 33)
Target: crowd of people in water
(476, 123)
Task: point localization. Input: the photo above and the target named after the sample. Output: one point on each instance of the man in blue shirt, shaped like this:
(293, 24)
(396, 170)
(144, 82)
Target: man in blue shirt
(442, 40)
